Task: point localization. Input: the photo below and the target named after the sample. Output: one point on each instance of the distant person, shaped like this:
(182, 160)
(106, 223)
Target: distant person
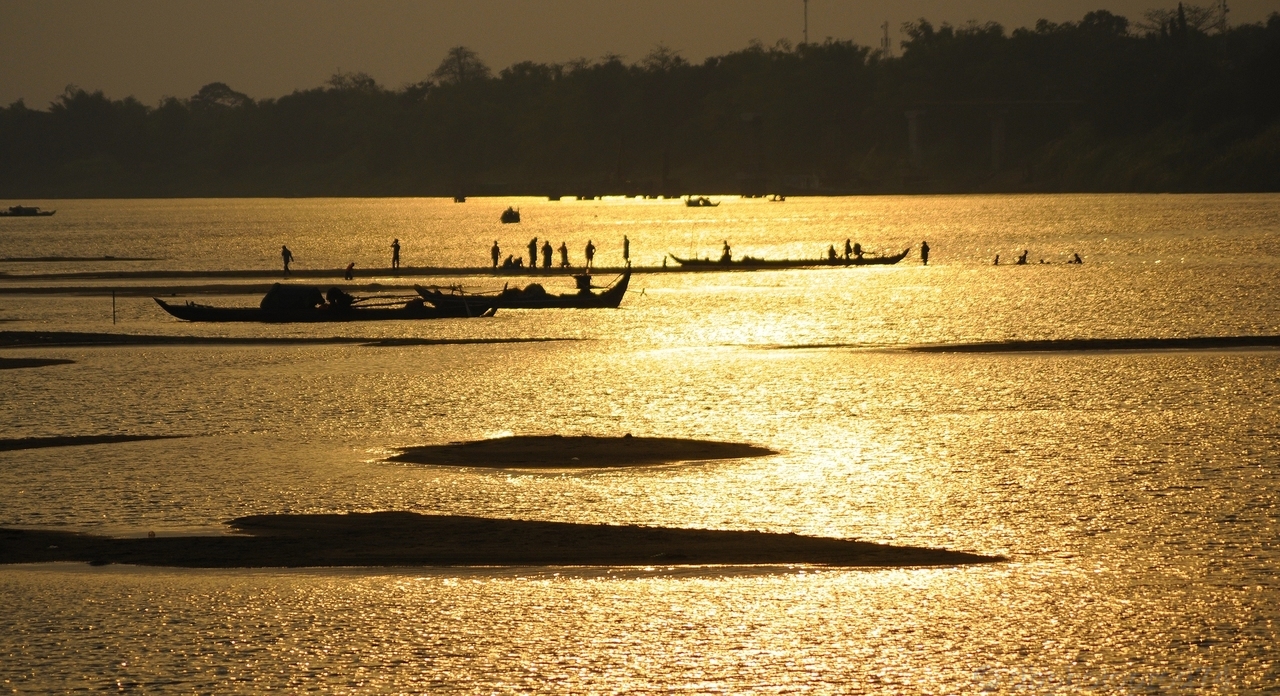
(726, 253)
(1075, 258)
(564, 255)
(495, 253)
(591, 253)
(626, 250)
(533, 253)
(924, 253)
(546, 254)
(848, 250)
(857, 251)
(1022, 260)
(287, 257)
(831, 252)
(997, 261)
(351, 271)
(395, 254)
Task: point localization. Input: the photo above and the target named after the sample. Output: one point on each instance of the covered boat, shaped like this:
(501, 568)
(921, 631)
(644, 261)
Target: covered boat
(750, 262)
(532, 296)
(510, 215)
(306, 304)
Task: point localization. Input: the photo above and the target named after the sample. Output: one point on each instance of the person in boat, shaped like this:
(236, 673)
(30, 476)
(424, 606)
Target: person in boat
(287, 257)
(533, 253)
(831, 252)
(1022, 259)
(626, 249)
(848, 250)
(338, 299)
(547, 251)
(495, 253)
(395, 254)
(726, 254)
(564, 255)
(924, 253)
(351, 271)
(591, 253)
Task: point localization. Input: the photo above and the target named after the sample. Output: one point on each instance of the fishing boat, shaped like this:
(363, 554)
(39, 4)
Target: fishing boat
(305, 304)
(510, 215)
(751, 262)
(26, 211)
(532, 296)
(700, 202)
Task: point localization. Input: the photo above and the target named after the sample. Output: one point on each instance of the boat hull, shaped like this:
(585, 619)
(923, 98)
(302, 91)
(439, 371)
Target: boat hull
(206, 313)
(749, 262)
(609, 298)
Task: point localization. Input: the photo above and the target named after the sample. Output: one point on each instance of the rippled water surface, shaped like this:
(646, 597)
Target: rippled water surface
(1134, 492)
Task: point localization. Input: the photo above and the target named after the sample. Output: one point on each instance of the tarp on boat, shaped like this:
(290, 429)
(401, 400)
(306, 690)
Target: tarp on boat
(291, 298)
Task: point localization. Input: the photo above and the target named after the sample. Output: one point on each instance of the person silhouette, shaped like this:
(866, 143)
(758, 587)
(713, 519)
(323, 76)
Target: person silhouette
(395, 254)
(546, 254)
(533, 253)
(287, 257)
(924, 253)
(564, 255)
(351, 271)
(726, 254)
(626, 249)
(1022, 259)
(848, 249)
(495, 253)
(590, 253)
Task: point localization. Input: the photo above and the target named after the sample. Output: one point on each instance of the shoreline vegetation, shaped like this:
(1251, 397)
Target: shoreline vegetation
(383, 539)
(1176, 101)
(575, 452)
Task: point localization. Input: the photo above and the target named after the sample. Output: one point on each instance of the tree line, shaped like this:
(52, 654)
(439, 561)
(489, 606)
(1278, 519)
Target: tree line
(1178, 102)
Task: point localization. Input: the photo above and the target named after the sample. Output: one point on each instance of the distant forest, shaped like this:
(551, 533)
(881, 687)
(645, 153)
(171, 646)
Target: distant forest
(1177, 102)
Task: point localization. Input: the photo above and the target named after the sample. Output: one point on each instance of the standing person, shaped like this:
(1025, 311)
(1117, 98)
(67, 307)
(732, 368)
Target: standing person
(924, 252)
(546, 254)
(533, 253)
(726, 254)
(564, 255)
(626, 250)
(351, 271)
(395, 254)
(494, 253)
(848, 250)
(287, 257)
(591, 253)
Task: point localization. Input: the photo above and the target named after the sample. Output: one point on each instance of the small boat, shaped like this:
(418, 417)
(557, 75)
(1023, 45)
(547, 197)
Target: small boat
(700, 202)
(510, 215)
(532, 296)
(305, 304)
(751, 262)
(26, 211)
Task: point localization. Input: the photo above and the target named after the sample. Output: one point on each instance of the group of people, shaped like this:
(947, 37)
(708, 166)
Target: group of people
(512, 261)
(1022, 259)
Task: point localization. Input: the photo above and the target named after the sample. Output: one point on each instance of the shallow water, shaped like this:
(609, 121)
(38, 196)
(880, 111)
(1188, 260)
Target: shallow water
(1133, 492)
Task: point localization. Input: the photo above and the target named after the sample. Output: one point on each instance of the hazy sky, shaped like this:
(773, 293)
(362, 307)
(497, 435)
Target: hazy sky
(267, 48)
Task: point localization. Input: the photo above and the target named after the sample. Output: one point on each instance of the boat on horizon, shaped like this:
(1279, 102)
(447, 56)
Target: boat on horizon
(752, 262)
(700, 202)
(532, 296)
(510, 215)
(26, 211)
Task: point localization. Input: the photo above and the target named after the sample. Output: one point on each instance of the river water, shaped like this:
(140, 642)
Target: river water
(1133, 492)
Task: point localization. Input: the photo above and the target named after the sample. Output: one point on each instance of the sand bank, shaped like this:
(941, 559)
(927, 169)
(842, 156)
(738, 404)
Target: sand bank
(46, 339)
(24, 443)
(410, 539)
(577, 452)
(1091, 344)
(15, 363)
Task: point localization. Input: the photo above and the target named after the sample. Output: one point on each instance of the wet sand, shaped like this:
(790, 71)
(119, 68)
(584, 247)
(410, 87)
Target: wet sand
(383, 539)
(46, 339)
(17, 363)
(1059, 345)
(24, 443)
(576, 452)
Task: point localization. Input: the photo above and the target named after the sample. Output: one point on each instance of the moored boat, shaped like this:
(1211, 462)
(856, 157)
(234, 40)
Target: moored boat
(305, 304)
(700, 202)
(510, 215)
(532, 296)
(26, 211)
(752, 262)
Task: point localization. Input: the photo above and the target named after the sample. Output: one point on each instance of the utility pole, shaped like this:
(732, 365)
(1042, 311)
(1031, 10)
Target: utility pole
(806, 21)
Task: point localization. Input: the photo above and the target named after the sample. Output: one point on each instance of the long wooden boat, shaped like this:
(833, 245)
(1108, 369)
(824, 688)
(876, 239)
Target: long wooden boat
(25, 211)
(413, 309)
(533, 296)
(751, 262)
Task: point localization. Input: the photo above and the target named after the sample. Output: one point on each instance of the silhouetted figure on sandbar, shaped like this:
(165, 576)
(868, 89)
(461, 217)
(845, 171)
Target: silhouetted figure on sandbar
(848, 250)
(546, 254)
(1075, 258)
(831, 252)
(495, 253)
(1022, 259)
(351, 271)
(564, 255)
(626, 249)
(924, 253)
(287, 257)
(857, 251)
(591, 253)
(395, 254)
(997, 261)
(533, 253)
(726, 254)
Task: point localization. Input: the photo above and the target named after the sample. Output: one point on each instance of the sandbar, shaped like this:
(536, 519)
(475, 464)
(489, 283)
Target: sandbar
(25, 443)
(576, 452)
(382, 539)
(1098, 344)
(16, 363)
(31, 339)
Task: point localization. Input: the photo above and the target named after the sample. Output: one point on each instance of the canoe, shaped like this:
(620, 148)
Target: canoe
(414, 309)
(25, 211)
(531, 297)
(750, 262)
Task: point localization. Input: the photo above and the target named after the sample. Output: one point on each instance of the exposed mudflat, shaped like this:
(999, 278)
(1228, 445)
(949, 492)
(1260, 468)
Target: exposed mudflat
(24, 443)
(576, 452)
(35, 339)
(16, 363)
(411, 539)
